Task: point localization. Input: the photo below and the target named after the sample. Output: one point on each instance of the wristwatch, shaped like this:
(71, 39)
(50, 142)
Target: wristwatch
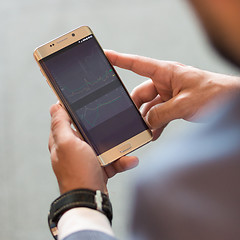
(78, 198)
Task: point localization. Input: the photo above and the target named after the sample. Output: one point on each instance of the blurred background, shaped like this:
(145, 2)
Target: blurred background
(161, 29)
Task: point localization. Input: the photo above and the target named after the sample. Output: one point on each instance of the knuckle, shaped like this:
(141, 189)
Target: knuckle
(182, 105)
(56, 121)
(154, 118)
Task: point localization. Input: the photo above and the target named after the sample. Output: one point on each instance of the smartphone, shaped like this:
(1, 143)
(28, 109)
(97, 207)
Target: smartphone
(91, 91)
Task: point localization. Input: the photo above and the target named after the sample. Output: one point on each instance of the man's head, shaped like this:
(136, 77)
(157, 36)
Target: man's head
(221, 20)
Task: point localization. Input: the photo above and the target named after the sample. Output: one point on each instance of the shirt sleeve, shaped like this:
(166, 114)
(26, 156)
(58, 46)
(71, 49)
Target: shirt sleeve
(80, 219)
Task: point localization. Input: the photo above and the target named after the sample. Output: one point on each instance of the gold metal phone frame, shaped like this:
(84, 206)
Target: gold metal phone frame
(62, 42)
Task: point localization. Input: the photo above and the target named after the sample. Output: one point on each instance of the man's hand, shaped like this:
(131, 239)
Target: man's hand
(175, 91)
(73, 160)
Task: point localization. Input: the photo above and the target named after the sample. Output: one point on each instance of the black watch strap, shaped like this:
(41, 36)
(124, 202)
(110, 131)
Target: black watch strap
(78, 198)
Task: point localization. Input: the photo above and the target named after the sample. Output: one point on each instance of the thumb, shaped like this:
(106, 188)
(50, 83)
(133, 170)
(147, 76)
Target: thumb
(60, 123)
(54, 108)
(161, 114)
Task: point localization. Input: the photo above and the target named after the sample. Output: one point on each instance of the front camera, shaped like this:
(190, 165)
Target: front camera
(73, 34)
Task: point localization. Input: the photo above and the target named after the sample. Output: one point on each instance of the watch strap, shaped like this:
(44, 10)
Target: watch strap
(78, 198)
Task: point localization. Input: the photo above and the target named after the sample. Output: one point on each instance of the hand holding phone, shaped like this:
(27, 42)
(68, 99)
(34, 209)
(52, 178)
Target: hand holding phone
(69, 155)
(99, 105)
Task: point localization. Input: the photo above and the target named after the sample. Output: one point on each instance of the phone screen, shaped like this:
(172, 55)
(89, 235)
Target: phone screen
(93, 94)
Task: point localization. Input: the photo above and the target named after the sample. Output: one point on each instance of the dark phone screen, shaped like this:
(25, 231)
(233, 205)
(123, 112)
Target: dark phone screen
(93, 94)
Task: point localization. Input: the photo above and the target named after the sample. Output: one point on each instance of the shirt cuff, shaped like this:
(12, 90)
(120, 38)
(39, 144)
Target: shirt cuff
(78, 219)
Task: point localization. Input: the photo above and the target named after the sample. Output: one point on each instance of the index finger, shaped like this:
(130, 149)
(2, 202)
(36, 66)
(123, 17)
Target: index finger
(143, 66)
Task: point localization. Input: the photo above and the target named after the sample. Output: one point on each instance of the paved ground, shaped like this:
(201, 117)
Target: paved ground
(160, 29)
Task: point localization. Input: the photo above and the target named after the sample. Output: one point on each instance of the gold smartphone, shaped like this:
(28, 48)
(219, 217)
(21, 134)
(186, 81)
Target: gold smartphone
(95, 98)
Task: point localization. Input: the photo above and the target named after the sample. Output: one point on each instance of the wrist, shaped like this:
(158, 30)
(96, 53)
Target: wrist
(65, 188)
(236, 84)
(231, 84)
(78, 198)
